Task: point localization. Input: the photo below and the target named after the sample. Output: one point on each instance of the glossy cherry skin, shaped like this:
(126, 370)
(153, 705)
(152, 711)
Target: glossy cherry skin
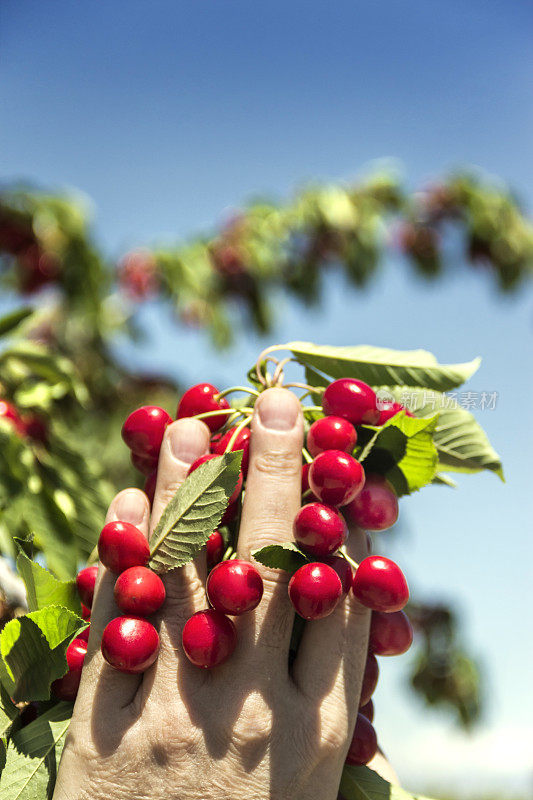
(149, 486)
(214, 549)
(305, 477)
(130, 644)
(85, 612)
(343, 570)
(390, 634)
(200, 399)
(139, 592)
(66, 688)
(9, 412)
(234, 587)
(122, 545)
(314, 590)
(84, 635)
(370, 679)
(331, 433)
(319, 530)
(209, 638)
(336, 478)
(380, 584)
(209, 457)
(144, 429)
(364, 744)
(145, 464)
(367, 711)
(376, 506)
(85, 582)
(351, 399)
(242, 442)
(389, 410)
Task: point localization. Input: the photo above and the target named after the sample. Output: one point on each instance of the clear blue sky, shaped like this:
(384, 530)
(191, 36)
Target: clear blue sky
(166, 113)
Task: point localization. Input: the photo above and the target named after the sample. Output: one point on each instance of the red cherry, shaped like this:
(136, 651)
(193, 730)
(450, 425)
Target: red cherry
(36, 428)
(85, 581)
(319, 530)
(370, 679)
(145, 464)
(209, 457)
(364, 744)
(84, 635)
(390, 634)
(234, 587)
(9, 412)
(144, 429)
(230, 513)
(380, 584)
(149, 486)
(331, 433)
(209, 638)
(122, 545)
(305, 477)
(242, 442)
(85, 612)
(66, 688)
(336, 478)
(343, 570)
(376, 506)
(314, 590)
(352, 400)
(367, 710)
(388, 410)
(130, 644)
(200, 399)
(139, 592)
(214, 549)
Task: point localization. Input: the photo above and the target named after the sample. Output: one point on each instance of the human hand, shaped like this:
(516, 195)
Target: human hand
(250, 728)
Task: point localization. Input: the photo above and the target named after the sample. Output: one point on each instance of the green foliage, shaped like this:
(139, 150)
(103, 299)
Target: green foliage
(42, 589)
(362, 783)
(285, 556)
(194, 512)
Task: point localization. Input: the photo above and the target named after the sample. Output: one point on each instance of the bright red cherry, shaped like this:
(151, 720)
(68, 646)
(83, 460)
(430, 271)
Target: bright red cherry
(364, 744)
(85, 612)
(200, 399)
(314, 590)
(376, 506)
(214, 549)
(351, 399)
(149, 486)
(145, 464)
(390, 634)
(380, 584)
(331, 433)
(388, 410)
(66, 688)
(209, 638)
(144, 429)
(130, 644)
(9, 412)
(210, 457)
(122, 545)
(85, 581)
(139, 592)
(367, 710)
(234, 587)
(343, 570)
(370, 679)
(319, 530)
(242, 442)
(336, 478)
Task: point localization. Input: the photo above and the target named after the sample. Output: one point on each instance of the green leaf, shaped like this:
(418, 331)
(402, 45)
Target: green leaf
(43, 589)
(285, 556)
(362, 783)
(8, 712)
(33, 754)
(194, 512)
(377, 365)
(444, 480)
(403, 451)
(462, 444)
(32, 650)
(9, 322)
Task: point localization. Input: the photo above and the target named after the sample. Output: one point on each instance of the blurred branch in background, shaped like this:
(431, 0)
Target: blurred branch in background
(63, 395)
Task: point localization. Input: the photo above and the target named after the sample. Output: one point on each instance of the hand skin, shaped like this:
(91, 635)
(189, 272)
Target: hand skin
(249, 728)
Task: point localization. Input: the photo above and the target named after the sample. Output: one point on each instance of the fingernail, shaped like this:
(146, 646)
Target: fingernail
(130, 507)
(189, 439)
(278, 409)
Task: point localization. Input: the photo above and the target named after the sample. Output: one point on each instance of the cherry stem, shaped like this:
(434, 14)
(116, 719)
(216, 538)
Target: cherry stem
(312, 409)
(307, 455)
(310, 389)
(265, 380)
(228, 411)
(242, 389)
(236, 432)
(350, 561)
(227, 554)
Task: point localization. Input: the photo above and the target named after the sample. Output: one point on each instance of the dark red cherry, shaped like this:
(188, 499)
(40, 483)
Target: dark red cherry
(376, 506)
(336, 478)
(390, 634)
(364, 744)
(209, 638)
